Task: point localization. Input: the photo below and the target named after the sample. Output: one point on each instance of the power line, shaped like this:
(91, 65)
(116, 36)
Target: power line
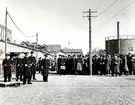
(18, 27)
(99, 5)
(117, 13)
(108, 8)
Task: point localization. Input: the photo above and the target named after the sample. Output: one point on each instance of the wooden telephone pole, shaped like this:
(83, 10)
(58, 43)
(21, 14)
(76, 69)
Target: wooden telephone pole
(6, 32)
(118, 36)
(37, 43)
(90, 52)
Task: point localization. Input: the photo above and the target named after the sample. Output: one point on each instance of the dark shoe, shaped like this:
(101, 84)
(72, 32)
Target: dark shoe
(34, 79)
(30, 83)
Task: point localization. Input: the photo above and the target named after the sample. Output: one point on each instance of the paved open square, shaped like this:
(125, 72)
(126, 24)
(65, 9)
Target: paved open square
(72, 90)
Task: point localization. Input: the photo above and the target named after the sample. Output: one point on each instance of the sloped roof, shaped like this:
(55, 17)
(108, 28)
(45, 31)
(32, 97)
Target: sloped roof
(72, 50)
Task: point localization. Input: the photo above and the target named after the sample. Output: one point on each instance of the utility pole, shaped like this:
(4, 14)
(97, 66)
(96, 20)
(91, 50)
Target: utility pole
(6, 32)
(118, 37)
(36, 43)
(90, 52)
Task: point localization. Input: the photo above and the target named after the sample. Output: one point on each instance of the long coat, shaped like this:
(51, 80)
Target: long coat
(59, 64)
(19, 66)
(7, 66)
(108, 64)
(125, 64)
(33, 62)
(45, 65)
(79, 64)
(27, 66)
(133, 65)
(116, 65)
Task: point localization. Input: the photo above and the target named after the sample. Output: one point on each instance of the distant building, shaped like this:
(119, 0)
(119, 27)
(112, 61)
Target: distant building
(72, 52)
(53, 48)
(2, 33)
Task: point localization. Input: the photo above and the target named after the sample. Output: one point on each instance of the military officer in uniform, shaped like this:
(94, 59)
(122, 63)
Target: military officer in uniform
(27, 69)
(45, 66)
(7, 68)
(19, 68)
(33, 66)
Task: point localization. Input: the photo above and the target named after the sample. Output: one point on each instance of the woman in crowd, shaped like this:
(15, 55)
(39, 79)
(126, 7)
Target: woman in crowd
(79, 65)
(125, 65)
(63, 67)
(116, 64)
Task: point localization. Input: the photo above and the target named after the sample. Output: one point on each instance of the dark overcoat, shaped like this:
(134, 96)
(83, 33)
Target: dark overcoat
(27, 66)
(19, 66)
(45, 65)
(7, 66)
(33, 64)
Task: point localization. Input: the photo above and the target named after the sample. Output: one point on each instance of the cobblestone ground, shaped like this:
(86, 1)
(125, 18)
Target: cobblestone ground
(72, 90)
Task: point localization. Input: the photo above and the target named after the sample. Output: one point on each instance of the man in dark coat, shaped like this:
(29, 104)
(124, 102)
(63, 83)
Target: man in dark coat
(59, 63)
(69, 65)
(19, 68)
(74, 63)
(45, 66)
(39, 65)
(27, 69)
(7, 68)
(33, 65)
(129, 62)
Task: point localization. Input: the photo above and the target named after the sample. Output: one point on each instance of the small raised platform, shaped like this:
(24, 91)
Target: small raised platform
(10, 84)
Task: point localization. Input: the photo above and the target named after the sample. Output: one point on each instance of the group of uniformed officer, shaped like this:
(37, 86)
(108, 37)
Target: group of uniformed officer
(25, 68)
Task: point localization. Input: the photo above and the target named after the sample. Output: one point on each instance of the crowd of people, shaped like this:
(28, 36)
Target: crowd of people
(25, 67)
(101, 65)
(114, 65)
(73, 65)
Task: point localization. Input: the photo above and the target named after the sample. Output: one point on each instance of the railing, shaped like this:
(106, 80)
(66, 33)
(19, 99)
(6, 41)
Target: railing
(121, 37)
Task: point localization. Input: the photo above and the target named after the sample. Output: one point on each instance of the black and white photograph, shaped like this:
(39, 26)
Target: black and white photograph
(67, 52)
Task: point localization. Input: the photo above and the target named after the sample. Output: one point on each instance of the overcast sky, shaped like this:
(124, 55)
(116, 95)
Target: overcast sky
(61, 21)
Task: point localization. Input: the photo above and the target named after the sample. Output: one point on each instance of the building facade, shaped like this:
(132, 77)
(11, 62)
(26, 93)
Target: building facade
(53, 48)
(2, 33)
(72, 52)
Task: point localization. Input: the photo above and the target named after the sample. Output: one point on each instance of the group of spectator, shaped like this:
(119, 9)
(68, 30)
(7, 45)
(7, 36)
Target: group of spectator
(101, 65)
(73, 65)
(114, 65)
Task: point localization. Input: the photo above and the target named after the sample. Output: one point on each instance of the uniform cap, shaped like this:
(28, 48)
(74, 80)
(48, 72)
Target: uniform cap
(32, 52)
(26, 53)
(46, 54)
(7, 54)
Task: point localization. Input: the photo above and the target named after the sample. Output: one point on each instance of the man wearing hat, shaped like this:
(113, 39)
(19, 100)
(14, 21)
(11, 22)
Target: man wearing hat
(27, 69)
(45, 66)
(33, 64)
(59, 63)
(7, 67)
(19, 67)
(129, 63)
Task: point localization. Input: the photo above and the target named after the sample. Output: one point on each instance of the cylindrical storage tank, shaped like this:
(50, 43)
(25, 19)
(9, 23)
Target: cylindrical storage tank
(127, 45)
